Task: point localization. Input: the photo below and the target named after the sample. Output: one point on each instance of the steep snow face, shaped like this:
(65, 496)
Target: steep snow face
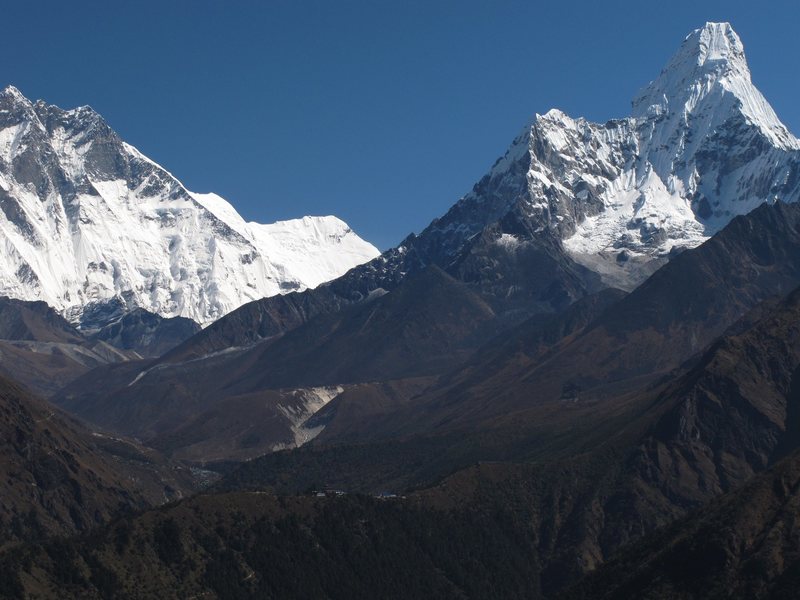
(86, 218)
(302, 252)
(709, 76)
(702, 145)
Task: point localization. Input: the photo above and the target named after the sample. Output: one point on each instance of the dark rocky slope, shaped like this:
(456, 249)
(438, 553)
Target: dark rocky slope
(598, 474)
(675, 314)
(428, 324)
(742, 545)
(43, 351)
(56, 477)
(147, 334)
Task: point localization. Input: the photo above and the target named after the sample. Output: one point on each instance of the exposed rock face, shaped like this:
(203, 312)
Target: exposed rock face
(147, 334)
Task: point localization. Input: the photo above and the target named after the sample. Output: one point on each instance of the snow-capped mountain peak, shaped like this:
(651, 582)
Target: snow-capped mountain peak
(708, 80)
(12, 93)
(700, 146)
(715, 46)
(85, 218)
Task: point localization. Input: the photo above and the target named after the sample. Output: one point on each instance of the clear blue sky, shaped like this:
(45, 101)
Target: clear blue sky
(381, 112)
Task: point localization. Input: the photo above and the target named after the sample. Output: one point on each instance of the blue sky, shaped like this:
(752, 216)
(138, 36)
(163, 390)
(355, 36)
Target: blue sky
(381, 112)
